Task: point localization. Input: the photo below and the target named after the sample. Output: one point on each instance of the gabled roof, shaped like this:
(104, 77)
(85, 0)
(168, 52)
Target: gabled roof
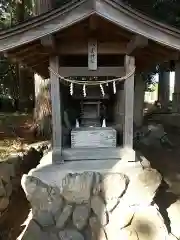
(75, 11)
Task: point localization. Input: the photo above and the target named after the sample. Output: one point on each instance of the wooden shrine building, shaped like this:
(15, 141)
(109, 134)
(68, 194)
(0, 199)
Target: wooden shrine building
(91, 50)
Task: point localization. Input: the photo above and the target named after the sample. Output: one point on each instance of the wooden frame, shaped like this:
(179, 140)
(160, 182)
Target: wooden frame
(84, 71)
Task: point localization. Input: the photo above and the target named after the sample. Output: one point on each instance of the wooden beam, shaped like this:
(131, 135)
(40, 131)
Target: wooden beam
(42, 62)
(83, 71)
(93, 23)
(33, 55)
(138, 42)
(164, 51)
(56, 105)
(47, 41)
(24, 50)
(80, 48)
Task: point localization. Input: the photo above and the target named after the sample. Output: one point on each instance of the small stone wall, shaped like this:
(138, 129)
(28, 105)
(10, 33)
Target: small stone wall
(11, 171)
(96, 205)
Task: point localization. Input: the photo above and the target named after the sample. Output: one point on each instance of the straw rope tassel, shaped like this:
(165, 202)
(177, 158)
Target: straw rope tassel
(71, 89)
(114, 87)
(102, 90)
(84, 90)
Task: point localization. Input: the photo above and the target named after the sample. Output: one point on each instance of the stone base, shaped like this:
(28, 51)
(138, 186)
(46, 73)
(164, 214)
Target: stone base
(99, 201)
(76, 154)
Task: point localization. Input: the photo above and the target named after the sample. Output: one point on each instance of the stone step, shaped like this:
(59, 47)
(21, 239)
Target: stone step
(70, 154)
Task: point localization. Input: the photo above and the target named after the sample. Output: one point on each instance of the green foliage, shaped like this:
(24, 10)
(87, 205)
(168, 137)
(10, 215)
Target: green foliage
(167, 11)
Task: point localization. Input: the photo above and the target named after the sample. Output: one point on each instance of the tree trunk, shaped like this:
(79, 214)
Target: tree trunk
(42, 110)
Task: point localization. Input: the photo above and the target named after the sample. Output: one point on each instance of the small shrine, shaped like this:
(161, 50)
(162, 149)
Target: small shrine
(92, 185)
(94, 53)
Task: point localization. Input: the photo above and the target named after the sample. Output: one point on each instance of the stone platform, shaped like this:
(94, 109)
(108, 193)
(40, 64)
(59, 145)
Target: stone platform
(96, 200)
(101, 153)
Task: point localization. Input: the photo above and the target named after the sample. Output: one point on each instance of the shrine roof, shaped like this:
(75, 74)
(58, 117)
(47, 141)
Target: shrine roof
(75, 11)
(112, 12)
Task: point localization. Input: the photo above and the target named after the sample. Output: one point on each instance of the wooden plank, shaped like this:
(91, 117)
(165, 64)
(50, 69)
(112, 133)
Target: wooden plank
(24, 50)
(95, 137)
(83, 71)
(129, 104)
(56, 104)
(48, 41)
(92, 54)
(139, 92)
(80, 48)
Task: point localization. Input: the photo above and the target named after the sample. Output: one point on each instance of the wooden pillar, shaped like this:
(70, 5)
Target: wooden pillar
(176, 94)
(119, 109)
(129, 153)
(56, 109)
(139, 100)
(163, 89)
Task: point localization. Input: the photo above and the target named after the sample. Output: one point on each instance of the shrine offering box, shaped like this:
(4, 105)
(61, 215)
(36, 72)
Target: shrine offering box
(93, 137)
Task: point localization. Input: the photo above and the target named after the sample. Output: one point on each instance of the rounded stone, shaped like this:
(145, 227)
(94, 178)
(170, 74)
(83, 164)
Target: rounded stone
(128, 233)
(174, 217)
(121, 216)
(4, 202)
(70, 234)
(34, 232)
(97, 184)
(80, 216)
(172, 237)
(113, 186)
(97, 231)
(77, 188)
(2, 189)
(64, 216)
(99, 208)
(44, 218)
(9, 189)
(142, 187)
(149, 224)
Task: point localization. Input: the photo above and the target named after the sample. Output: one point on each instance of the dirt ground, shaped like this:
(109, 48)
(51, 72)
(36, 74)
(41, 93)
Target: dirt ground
(11, 223)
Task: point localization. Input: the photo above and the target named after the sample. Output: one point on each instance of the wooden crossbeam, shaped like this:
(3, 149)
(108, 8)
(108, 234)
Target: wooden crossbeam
(48, 42)
(18, 52)
(83, 71)
(138, 42)
(80, 48)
